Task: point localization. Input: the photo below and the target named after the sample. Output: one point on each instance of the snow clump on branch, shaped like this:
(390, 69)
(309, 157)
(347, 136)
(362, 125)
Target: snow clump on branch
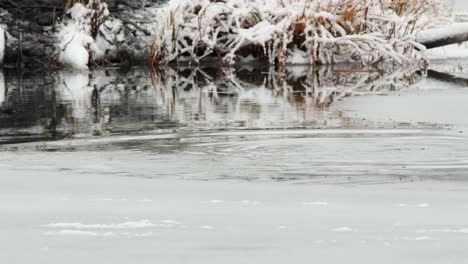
(87, 35)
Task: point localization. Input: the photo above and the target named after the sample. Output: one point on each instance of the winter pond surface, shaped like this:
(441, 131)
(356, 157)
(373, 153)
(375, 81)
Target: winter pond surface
(249, 166)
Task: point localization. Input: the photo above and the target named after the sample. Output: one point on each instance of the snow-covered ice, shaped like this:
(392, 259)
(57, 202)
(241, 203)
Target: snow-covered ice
(34, 217)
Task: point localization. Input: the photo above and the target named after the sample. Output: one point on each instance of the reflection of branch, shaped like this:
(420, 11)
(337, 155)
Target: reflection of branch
(446, 77)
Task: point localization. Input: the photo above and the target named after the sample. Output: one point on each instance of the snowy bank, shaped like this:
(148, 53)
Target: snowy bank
(290, 32)
(227, 31)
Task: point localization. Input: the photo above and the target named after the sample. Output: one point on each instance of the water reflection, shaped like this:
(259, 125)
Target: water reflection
(38, 106)
(2, 88)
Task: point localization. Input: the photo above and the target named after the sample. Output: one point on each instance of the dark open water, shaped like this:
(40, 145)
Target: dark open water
(249, 123)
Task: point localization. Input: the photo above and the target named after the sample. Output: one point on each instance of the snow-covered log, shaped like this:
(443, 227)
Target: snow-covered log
(443, 36)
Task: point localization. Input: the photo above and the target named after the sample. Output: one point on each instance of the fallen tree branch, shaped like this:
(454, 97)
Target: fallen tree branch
(439, 37)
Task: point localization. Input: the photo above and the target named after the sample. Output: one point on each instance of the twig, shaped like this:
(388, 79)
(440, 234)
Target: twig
(147, 33)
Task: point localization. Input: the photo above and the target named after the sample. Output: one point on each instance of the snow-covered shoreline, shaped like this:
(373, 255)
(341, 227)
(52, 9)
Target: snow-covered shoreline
(130, 34)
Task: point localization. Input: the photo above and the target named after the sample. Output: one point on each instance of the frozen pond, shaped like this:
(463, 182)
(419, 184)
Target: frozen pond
(244, 166)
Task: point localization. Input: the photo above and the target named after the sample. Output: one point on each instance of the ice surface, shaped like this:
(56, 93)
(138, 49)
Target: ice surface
(360, 224)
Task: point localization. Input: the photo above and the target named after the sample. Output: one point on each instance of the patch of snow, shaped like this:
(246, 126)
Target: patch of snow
(449, 31)
(456, 51)
(216, 201)
(343, 230)
(318, 203)
(126, 225)
(75, 41)
(78, 233)
(77, 47)
(444, 230)
(297, 57)
(131, 234)
(423, 205)
(170, 222)
(250, 202)
(421, 238)
(207, 227)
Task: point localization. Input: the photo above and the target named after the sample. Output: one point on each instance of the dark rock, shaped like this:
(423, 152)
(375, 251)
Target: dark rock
(32, 19)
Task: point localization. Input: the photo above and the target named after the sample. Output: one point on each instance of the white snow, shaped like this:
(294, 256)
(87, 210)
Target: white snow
(125, 225)
(445, 32)
(207, 227)
(216, 201)
(423, 205)
(77, 46)
(450, 52)
(79, 233)
(420, 238)
(74, 39)
(444, 230)
(343, 229)
(318, 203)
(297, 57)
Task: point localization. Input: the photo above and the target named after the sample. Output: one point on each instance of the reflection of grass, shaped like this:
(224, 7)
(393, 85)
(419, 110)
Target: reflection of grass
(321, 85)
(368, 31)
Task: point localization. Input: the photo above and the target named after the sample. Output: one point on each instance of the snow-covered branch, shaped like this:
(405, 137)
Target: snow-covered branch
(294, 31)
